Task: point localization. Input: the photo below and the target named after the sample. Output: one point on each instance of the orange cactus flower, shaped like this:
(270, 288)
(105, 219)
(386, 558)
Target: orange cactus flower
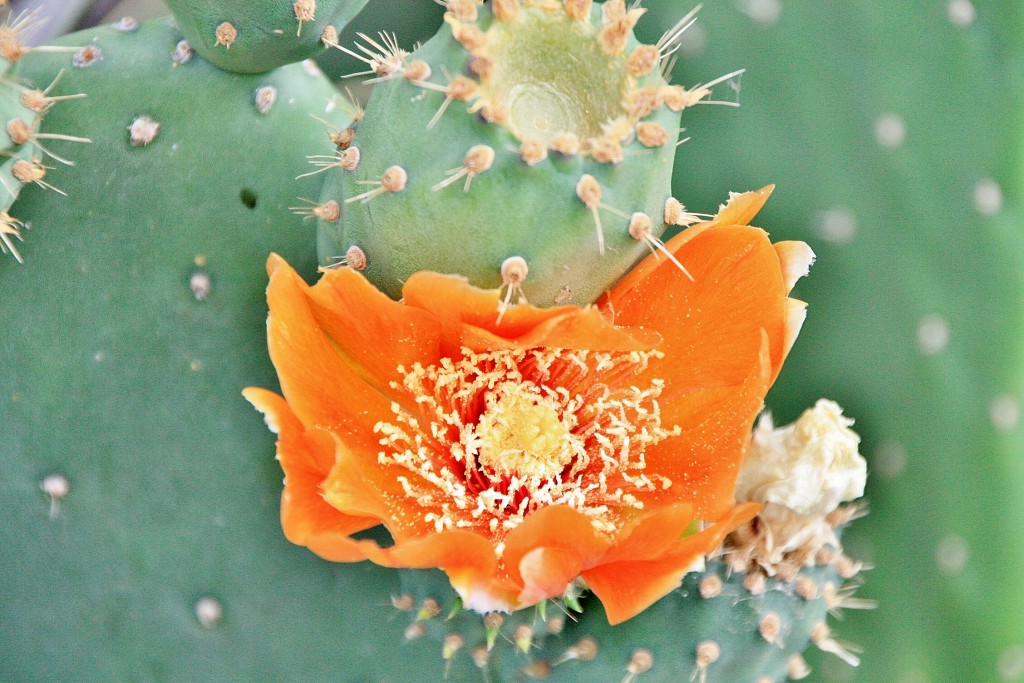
(553, 445)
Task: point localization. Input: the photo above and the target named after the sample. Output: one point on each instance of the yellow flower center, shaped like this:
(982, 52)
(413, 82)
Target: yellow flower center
(521, 433)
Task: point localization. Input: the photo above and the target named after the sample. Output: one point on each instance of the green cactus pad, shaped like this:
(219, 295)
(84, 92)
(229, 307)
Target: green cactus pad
(249, 36)
(909, 191)
(141, 538)
(713, 628)
(458, 173)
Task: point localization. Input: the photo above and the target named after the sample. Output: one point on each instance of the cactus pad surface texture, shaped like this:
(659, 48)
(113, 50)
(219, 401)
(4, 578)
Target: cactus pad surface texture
(250, 36)
(130, 330)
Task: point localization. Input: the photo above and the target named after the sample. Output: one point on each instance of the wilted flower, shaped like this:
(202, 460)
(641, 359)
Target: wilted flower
(801, 475)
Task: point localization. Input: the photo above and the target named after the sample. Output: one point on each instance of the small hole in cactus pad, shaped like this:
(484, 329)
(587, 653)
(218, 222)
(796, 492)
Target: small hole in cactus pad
(248, 198)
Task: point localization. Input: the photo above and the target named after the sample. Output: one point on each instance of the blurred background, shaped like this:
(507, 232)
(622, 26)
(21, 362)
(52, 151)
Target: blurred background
(892, 132)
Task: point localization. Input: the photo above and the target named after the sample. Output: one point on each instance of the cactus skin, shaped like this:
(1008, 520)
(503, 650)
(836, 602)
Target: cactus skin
(923, 253)
(247, 36)
(671, 631)
(12, 110)
(510, 209)
(173, 491)
(26, 155)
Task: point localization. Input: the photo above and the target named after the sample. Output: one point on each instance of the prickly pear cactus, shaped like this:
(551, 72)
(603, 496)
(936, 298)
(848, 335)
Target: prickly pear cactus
(21, 140)
(724, 623)
(713, 627)
(142, 530)
(538, 131)
(254, 36)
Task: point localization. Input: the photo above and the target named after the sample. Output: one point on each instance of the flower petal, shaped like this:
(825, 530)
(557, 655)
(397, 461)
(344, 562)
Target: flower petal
(711, 326)
(704, 461)
(453, 551)
(739, 210)
(321, 387)
(743, 206)
(306, 458)
(557, 527)
(359, 486)
(467, 558)
(627, 587)
(469, 318)
(373, 333)
(796, 259)
(546, 573)
(725, 333)
(796, 313)
(652, 534)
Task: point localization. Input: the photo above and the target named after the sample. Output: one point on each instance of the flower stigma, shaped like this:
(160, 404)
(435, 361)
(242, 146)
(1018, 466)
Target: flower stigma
(521, 433)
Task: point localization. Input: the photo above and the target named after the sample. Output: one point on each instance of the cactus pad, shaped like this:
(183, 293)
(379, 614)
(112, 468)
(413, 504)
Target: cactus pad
(248, 36)
(141, 539)
(536, 131)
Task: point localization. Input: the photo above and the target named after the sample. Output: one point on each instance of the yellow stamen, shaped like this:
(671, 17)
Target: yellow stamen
(495, 436)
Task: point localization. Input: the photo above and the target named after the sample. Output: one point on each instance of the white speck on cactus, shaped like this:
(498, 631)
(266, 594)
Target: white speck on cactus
(710, 586)
(890, 131)
(960, 12)
(932, 334)
(226, 34)
(56, 487)
(200, 285)
(988, 197)
(1004, 412)
(797, 669)
(890, 460)
(837, 226)
(1011, 663)
(708, 652)
(86, 57)
(764, 12)
(311, 68)
(126, 25)
(182, 53)
(143, 131)
(209, 612)
(952, 554)
(265, 98)
(770, 627)
(806, 588)
(305, 12)
(640, 662)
